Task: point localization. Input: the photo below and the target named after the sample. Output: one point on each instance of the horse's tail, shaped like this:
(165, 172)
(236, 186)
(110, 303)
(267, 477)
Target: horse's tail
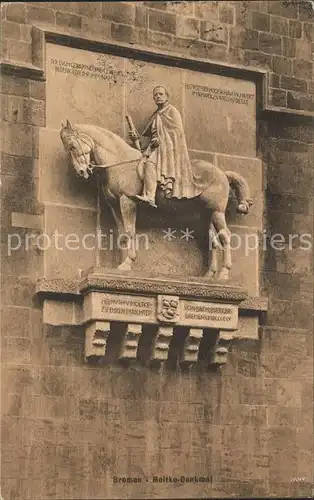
(242, 191)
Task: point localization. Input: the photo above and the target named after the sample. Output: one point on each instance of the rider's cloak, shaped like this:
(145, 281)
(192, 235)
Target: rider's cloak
(174, 170)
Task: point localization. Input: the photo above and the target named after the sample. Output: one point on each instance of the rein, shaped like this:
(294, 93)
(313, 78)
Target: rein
(113, 164)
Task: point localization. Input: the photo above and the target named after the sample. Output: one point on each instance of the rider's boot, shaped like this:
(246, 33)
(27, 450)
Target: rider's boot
(150, 185)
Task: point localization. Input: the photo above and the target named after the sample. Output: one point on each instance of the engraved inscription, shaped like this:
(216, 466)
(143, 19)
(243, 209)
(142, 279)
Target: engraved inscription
(120, 307)
(103, 70)
(125, 306)
(219, 94)
(209, 315)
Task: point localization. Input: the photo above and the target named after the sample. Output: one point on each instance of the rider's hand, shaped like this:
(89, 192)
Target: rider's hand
(133, 135)
(154, 142)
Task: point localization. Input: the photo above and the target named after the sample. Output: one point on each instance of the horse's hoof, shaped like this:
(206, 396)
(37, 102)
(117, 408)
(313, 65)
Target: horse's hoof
(223, 275)
(210, 275)
(125, 267)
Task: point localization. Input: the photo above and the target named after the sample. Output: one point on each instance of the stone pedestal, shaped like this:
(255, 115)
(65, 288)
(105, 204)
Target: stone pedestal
(117, 310)
(135, 301)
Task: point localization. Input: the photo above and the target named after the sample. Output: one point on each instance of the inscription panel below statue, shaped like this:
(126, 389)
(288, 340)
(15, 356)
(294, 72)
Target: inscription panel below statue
(99, 306)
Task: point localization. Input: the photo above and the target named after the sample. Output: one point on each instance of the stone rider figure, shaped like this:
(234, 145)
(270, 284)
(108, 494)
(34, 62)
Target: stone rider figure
(166, 159)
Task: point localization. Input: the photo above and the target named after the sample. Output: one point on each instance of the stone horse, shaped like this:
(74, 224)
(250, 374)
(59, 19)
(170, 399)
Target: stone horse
(92, 148)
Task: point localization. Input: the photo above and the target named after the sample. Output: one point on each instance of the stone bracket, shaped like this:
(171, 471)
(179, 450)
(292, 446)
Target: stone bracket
(218, 354)
(96, 335)
(161, 345)
(130, 342)
(190, 348)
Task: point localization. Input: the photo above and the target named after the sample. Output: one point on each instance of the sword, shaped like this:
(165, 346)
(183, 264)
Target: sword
(132, 128)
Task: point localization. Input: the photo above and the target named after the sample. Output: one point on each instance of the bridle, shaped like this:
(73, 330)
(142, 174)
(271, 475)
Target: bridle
(88, 141)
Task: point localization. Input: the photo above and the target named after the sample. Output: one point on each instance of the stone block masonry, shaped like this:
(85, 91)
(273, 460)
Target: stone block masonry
(279, 33)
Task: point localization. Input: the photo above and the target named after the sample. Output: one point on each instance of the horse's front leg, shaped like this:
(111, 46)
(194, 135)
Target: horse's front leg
(213, 245)
(128, 214)
(220, 225)
(114, 205)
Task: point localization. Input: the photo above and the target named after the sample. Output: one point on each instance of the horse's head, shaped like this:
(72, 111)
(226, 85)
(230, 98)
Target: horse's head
(80, 147)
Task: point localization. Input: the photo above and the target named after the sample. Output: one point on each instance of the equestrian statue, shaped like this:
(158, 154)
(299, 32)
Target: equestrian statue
(133, 174)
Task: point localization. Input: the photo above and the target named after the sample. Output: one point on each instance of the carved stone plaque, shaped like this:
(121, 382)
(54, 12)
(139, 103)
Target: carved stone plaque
(100, 90)
(120, 307)
(99, 306)
(167, 308)
(209, 315)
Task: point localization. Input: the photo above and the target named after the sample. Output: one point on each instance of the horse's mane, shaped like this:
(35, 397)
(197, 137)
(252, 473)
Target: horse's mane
(116, 148)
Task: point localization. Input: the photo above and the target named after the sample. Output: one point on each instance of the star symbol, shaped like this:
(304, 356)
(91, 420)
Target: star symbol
(169, 234)
(187, 234)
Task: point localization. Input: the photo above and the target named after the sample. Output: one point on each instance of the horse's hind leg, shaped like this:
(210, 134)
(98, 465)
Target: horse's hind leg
(113, 203)
(213, 244)
(128, 213)
(220, 225)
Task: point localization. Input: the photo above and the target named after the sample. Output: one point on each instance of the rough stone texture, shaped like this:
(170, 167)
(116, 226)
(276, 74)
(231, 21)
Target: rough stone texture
(279, 25)
(295, 29)
(246, 39)
(303, 69)
(283, 66)
(270, 44)
(162, 22)
(64, 20)
(17, 50)
(39, 15)
(226, 13)
(214, 32)
(67, 427)
(301, 101)
(260, 21)
(118, 12)
(278, 97)
(16, 13)
(289, 47)
(188, 27)
(293, 84)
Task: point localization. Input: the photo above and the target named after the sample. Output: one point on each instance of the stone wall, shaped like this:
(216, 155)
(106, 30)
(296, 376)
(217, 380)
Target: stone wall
(68, 428)
(277, 36)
